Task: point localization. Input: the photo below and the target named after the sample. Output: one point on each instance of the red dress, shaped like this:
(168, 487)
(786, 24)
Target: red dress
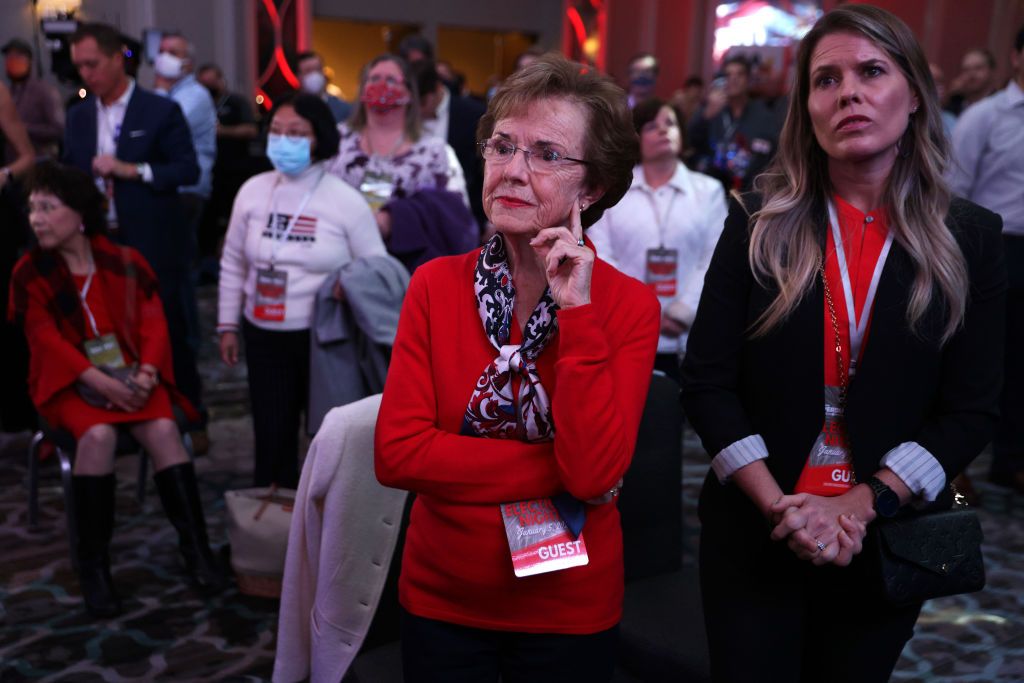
(57, 361)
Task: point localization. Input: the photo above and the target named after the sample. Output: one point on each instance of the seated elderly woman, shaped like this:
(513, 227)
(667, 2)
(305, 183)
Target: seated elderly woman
(512, 404)
(406, 176)
(100, 358)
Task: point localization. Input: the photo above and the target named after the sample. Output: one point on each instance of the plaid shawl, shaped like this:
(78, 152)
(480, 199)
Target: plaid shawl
(124, 278)
(118, 274)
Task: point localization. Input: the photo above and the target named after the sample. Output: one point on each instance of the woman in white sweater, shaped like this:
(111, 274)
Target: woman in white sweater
(290, 229)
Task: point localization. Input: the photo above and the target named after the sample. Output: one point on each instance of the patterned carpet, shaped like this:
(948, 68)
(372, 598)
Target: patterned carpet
(168, 631)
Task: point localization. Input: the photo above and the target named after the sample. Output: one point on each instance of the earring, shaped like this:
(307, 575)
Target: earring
(81, 228)
(583, 207)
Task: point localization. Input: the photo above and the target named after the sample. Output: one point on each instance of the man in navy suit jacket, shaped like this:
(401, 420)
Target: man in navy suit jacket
(138, 146)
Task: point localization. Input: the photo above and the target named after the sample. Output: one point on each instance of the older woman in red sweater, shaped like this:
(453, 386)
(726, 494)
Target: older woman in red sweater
(513, 401)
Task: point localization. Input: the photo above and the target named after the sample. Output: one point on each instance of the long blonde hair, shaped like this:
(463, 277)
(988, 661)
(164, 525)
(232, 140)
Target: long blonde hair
(785, 247)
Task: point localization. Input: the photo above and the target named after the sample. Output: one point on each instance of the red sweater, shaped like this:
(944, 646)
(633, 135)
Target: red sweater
(457, 567)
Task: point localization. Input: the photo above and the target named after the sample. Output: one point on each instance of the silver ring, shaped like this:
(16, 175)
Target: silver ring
(580, 242)
(821, 546)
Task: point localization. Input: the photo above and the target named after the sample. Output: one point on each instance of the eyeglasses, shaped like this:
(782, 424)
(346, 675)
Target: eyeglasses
(540, 159)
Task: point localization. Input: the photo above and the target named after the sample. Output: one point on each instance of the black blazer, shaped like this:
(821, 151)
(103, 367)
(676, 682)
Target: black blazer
(149, 215)
(463, 116)
(907, 388)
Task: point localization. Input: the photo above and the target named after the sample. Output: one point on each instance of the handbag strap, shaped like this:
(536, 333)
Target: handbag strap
(266, 502)
(843, 380)
(839, 342)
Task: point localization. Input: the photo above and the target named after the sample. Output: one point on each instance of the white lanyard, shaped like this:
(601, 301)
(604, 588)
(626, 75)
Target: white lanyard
(111, 121)
(857, 326)
(275, 244)
(85, 305)
(661, 218)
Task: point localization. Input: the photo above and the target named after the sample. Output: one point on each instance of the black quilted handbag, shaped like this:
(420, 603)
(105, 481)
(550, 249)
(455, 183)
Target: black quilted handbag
(930, 555)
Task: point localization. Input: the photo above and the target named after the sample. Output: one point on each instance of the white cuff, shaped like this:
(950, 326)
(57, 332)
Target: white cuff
(738, 454)
(146, 173)
(918, 469)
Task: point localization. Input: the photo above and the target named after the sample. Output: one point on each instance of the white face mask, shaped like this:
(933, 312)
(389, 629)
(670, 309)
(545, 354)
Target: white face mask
(314, 82)
(168, 66)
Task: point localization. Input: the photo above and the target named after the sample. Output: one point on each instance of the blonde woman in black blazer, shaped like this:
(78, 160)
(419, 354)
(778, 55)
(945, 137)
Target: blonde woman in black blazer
(788, 591)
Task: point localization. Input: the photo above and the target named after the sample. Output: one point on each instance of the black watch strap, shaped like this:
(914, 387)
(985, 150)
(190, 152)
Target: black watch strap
(887, 503)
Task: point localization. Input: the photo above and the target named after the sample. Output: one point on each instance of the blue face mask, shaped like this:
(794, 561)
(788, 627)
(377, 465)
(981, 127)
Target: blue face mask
(290, 156)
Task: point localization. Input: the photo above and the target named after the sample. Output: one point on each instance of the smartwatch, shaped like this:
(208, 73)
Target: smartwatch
(887, 503)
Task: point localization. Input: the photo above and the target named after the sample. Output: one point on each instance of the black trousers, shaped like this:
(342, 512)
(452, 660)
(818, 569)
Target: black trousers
(771, 617)
(669, 364)
(440, 652)
(186, 374)
(278, 366)
(1008, 445)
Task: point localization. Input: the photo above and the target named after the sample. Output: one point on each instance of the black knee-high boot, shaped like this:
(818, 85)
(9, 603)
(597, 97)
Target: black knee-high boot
(180, 497)
(94, 515)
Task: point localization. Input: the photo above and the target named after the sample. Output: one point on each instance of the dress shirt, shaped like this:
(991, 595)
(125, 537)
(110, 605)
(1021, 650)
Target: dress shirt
(438, 126)
(687, 213)
(988, 165)
(108, 130)
(109, 119)
(201, 114)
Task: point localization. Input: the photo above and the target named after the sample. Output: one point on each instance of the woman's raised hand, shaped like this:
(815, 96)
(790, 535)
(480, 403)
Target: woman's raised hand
(567, 265)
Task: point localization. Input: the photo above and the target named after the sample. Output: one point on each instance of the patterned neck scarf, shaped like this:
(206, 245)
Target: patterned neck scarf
(493, 411)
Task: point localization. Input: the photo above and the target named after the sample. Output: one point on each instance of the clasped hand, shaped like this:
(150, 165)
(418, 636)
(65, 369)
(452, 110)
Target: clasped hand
(129, 396)
(806, 520)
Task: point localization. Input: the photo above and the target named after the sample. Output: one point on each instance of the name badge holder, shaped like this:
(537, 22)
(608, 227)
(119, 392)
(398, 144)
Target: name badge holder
(271, 287)
(377, 188)
(272, 284)
(828, 470)
(539, 540)
(661, 271)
